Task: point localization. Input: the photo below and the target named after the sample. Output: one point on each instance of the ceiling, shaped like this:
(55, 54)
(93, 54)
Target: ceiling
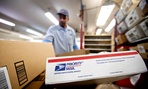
(30, 14)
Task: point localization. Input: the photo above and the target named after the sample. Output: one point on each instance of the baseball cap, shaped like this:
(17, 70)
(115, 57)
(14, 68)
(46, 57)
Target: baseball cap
(63, 12)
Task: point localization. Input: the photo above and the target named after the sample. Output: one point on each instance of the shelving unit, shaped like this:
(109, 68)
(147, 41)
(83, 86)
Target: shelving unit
(134, 44)
(98, 43)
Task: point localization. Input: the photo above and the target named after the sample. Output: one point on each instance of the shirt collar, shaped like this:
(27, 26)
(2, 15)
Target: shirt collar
(65, 29)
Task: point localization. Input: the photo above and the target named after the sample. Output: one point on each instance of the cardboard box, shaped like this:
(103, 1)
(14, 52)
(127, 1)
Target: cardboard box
(128, 5)
(144, 6)
(143, 48)
(138, 33)
(134, 48)
(134, 17)
(120, 16)
(93, 69)
(125, 5)
(76, 52)
(121, 39)
(144, 55)
(122, 27)
(144, 26)
(130, 36)
(24, 60)
(134, 34)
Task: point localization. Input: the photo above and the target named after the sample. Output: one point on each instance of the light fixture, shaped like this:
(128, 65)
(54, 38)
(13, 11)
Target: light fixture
(25, 37)
(98, 32)
(111, 25)
(34, 32)
(51, 18)
(104, 14)
(7, 22)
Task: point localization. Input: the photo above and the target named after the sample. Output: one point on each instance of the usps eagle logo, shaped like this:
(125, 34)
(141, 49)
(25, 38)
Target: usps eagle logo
(60, 67)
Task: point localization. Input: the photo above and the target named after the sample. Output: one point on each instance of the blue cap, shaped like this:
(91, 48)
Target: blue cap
(63, 12)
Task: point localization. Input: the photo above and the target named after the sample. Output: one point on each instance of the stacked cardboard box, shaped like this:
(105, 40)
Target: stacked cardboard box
(144, 6)
(121, 39)
(24, 60)
(143, 50)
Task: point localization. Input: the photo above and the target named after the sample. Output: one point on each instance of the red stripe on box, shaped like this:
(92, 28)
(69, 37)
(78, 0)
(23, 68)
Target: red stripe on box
(91, 57)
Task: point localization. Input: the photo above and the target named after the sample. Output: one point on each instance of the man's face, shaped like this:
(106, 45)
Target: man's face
(63, 19)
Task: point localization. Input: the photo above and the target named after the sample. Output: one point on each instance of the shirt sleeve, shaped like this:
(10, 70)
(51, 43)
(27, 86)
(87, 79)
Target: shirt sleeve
(49, 35)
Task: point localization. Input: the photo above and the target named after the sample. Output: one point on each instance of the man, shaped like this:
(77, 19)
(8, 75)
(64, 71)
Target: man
(62, 36)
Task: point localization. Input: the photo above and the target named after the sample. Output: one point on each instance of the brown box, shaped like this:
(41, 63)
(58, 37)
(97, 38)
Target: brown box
(28, 58)
(143, 48)
(76, 52)
(121, 39)
(144, 55)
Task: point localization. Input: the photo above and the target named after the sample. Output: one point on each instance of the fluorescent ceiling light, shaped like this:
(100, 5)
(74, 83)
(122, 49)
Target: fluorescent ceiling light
(25, 37)
(98, 31)
(34, 32)
(104, 14)
(7, 22)
(110, 26)
(51, 18)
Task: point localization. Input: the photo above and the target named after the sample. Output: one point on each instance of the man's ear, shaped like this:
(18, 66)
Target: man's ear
(67, 19)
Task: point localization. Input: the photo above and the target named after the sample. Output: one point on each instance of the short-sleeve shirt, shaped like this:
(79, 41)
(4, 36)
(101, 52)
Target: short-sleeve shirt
(63, 39)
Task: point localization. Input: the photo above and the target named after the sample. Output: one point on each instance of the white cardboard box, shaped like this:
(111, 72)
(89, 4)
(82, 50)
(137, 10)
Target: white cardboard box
(144, 26)
(125, 5)
(122, 27)
(138, 33)
(134, 17)
(120, 16)
(130, 36)
(134, 34)
(99, 68)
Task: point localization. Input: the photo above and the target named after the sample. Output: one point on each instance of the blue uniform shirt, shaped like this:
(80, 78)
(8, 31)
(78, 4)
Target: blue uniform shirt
(63, 39)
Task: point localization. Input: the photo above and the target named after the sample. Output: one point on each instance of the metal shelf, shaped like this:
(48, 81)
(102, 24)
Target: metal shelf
(97, 44)
(97, 39)
(140, 40)
(98, 49)
(98, 35)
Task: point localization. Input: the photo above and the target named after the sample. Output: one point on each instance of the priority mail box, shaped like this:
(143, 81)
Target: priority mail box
(144, 26)
(93, 68)
(134, 17)
(24, 60)
(122, 27)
